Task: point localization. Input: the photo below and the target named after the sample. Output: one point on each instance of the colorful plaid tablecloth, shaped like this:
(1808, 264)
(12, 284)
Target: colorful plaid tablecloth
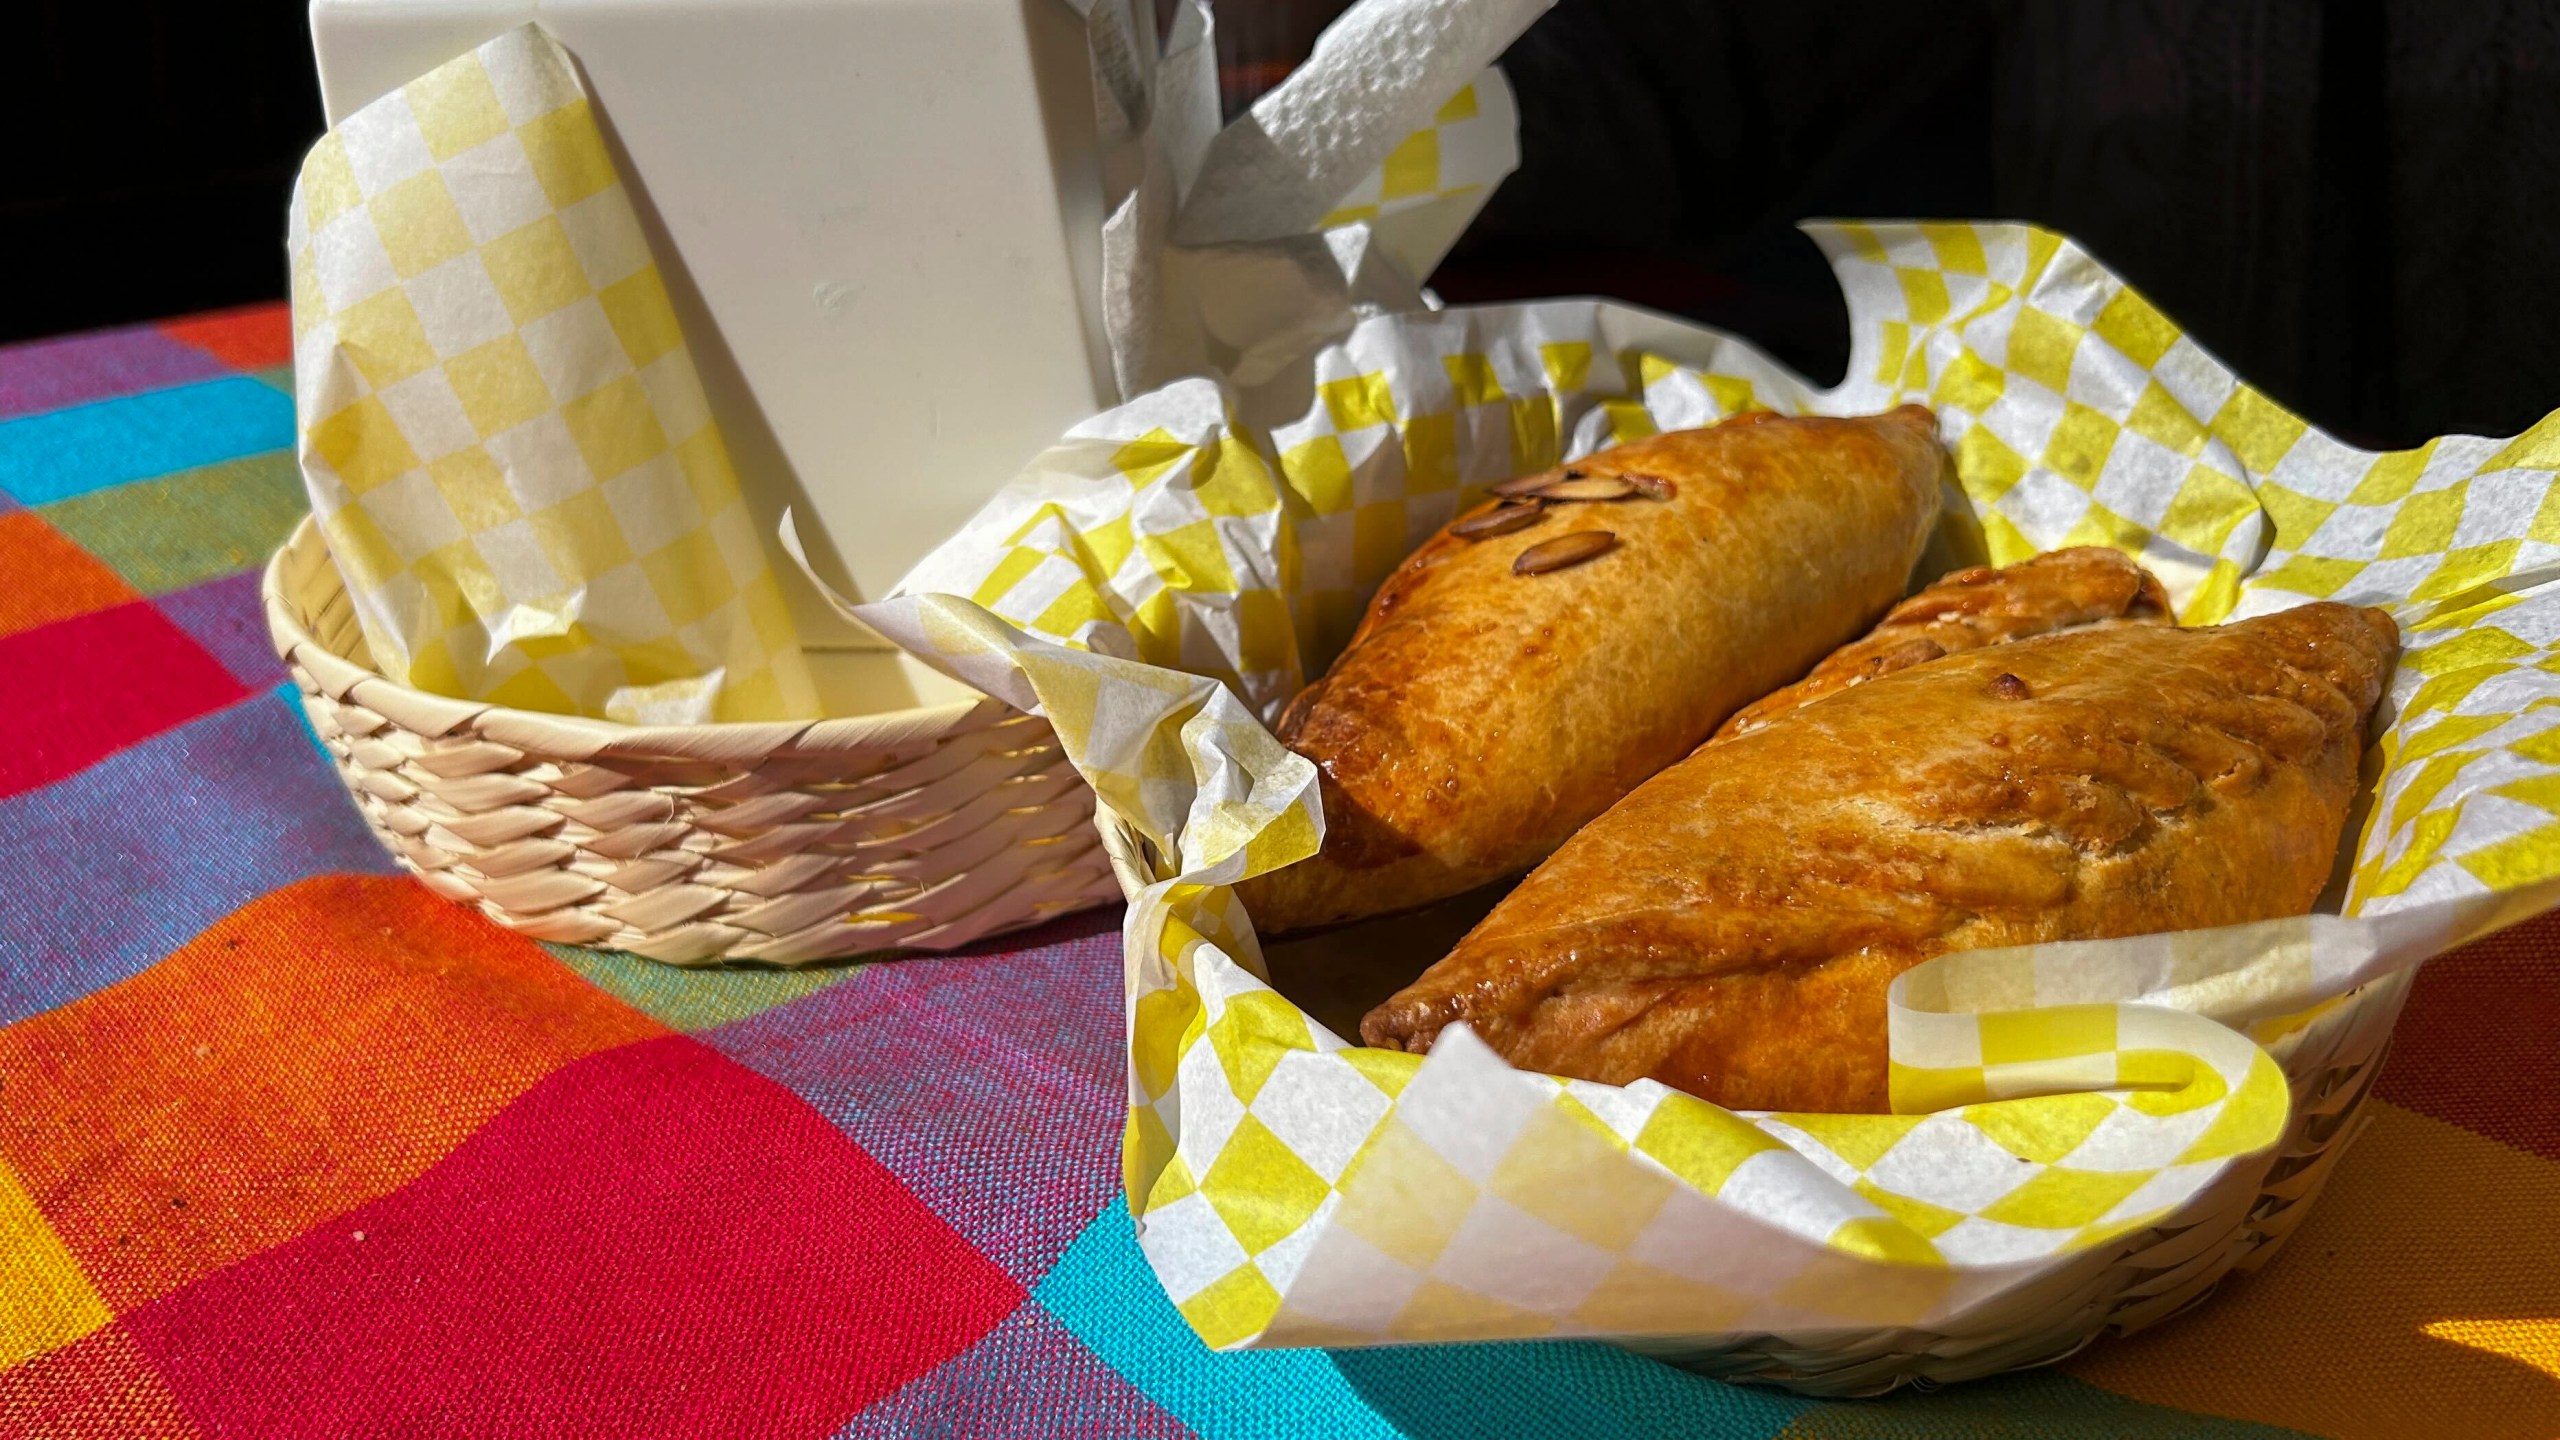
(289, 1147)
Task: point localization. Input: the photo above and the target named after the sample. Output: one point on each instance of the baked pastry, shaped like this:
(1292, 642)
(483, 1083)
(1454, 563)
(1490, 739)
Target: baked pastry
(1729, 929)
(2057, 590)
(1549, 650)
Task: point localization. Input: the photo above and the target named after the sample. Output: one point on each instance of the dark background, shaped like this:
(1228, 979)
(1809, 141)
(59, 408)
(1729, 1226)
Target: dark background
(151, 148)
(2356, 203)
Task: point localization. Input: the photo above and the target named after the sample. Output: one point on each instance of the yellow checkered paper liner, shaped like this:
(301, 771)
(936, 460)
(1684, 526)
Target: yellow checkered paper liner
(1176, 568)
(1468, 144)
(503, 434)
(1435, 180)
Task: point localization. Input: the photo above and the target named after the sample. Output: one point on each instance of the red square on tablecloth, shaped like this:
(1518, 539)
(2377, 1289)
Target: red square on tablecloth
(83, 688)
(655, 1241)
(322, 1046)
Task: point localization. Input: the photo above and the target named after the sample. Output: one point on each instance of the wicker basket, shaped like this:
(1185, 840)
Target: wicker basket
(779, 843)
(2134, 1282)
(2129, 1284)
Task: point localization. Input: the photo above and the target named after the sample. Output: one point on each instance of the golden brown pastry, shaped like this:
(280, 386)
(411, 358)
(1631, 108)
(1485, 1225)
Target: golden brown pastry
(1729, 929)
(2058, 590)
(1545, 653)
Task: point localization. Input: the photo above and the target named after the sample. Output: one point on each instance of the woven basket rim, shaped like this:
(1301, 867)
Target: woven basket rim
(581, 736)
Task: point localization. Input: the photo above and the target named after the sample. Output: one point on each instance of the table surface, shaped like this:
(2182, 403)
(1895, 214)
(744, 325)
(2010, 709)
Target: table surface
(288, 1146)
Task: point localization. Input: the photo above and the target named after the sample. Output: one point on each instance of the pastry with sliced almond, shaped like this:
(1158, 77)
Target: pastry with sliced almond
(1551, 649)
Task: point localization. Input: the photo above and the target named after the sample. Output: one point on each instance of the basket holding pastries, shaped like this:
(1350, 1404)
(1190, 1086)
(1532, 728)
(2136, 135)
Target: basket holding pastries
(1974, 854)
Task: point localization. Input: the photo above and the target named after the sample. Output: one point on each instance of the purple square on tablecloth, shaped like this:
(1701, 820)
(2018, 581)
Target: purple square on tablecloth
(226, 618)
(142, 850)
(51, 374)
(993, 1085)
(1027, 1376)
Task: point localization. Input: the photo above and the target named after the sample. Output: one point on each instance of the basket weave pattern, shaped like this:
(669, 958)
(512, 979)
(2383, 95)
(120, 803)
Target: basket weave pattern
(779, 843)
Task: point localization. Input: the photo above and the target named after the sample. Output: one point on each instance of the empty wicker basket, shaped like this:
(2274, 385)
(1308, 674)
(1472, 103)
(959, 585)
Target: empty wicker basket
(780, 843)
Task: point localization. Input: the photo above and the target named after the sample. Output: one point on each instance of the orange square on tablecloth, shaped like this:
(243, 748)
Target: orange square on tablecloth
(50, 577)
(320, 1047)
(99, 1387)
(251, 338)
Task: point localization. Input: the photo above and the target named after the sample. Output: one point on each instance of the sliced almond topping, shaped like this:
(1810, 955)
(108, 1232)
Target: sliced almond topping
(1562, 551)
(1497, 522)
(1586, 487)
(1652, 487)
(1521, 485)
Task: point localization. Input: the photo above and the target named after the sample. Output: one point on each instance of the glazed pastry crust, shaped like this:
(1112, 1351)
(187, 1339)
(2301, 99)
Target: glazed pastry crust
(1479, 717)
(1730, 928)
(1970, 609)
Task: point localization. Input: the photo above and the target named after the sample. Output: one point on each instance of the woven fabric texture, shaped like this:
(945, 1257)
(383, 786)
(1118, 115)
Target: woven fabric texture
(290, 1147)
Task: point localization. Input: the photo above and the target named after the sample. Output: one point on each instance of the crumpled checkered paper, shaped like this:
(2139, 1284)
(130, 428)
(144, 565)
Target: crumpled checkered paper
(1170, 573)
(503, 435)
(1235, 250)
